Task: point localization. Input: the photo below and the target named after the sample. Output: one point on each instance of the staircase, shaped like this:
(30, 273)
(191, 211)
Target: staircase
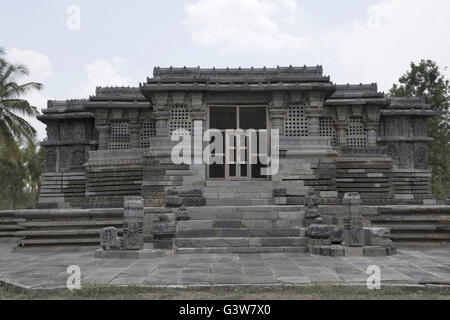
(9, 225)
(242, 229)
(238, 193)
(65, 227)
(416, 224)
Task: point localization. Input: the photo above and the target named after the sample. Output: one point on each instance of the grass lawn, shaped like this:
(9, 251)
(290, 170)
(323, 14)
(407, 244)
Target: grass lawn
(235, 293)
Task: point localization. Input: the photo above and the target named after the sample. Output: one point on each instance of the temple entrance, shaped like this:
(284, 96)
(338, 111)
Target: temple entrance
(225, 118)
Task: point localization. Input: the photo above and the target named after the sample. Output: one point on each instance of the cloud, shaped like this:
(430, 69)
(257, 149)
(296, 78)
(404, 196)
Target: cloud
(394, 33)
(102, 72)
(40, 69)
(243, 24)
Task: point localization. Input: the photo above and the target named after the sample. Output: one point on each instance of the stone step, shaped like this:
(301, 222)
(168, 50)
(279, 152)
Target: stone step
(239, 195)
(244, 250)
(411, 227)
(71, 223)
(241, 242)
(239, 232)
(93, 241)
(7, 234)
(407, 218)
(414, 236)
(259, 183)
(60, 233)
(238, 202)
(10, 227)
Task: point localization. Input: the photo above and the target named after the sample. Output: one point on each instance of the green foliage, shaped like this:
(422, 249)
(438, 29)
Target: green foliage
(20, 180)
(425, 80)
(14, 130)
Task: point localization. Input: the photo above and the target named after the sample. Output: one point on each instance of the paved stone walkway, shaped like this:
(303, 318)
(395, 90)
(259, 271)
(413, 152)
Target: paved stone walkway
(48, 269)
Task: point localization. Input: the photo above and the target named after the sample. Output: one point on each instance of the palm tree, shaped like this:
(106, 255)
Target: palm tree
(14, 130)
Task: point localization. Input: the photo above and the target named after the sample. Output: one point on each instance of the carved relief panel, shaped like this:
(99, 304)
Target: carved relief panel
(65, 131)
(52, 131)
(50, 160)
(421, 156)
(406, 155)
(420, 127)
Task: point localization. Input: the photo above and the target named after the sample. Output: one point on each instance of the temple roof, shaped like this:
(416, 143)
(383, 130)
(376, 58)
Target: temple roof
(117, 94)
(238, 75)
(408, 103)
(357, 94)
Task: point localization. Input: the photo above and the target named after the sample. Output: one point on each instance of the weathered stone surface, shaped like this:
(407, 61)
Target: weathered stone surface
(375, 251)
(279, 193)
(133, 226)
(173, 201)
(319, 230)
(336, 236)
(353, 222)
(377, 237)
(164, 228)
(109, 239)
(182, 214)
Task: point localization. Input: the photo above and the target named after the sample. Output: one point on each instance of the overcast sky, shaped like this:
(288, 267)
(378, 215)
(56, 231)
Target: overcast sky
(119, 42)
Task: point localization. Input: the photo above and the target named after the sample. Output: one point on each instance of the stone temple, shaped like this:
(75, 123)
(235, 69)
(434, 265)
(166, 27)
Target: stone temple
(335, 140)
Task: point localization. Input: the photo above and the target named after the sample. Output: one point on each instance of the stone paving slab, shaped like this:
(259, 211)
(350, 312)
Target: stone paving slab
(47, 269)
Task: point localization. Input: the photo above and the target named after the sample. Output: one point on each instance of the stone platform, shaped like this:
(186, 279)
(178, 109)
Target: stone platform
(47, 269)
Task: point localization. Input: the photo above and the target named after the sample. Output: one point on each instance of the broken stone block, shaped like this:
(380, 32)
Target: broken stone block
(193, 201)
(173, 201)
(377, 237)
(182, 214)
(319, 230)
(109, 239)
(163, 232)
(336, 236)
(193, 193)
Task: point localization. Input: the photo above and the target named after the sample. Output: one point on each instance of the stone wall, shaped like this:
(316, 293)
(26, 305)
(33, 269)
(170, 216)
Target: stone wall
(70, 138)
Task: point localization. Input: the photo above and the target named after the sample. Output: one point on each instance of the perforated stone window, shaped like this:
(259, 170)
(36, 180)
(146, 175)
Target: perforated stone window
(296, 124)
(179, 119)
(326, 129)
(120, 136)
(356, 134)
(148, 130)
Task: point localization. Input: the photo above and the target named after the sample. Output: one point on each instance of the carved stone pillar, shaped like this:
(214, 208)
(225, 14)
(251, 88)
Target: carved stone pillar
(371, 134)
(161, 107)
(313, 125)
(103, 128)
(316, 102)
(103, 136)
(341, 127)
(134, 129)
(277, 117)
(278, 111)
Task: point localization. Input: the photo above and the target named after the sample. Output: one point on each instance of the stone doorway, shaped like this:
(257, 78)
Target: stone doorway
(235, 117)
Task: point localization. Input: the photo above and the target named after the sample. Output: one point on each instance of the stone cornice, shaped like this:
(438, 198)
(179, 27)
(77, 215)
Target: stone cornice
(358, 101)
(410, 112)
(147, 89)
